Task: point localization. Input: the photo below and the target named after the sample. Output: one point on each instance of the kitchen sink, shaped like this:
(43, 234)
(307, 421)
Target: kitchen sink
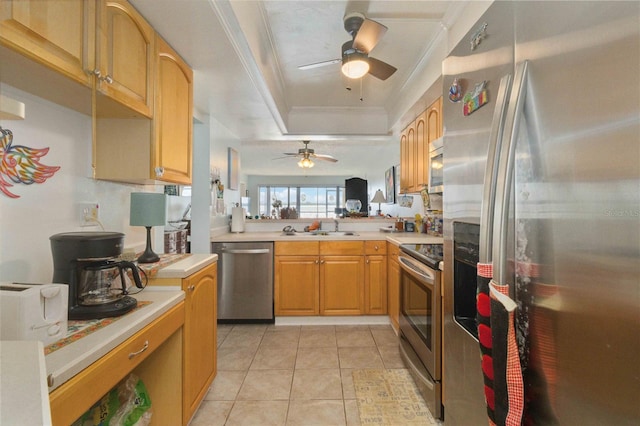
(336, 233)
(323, 233)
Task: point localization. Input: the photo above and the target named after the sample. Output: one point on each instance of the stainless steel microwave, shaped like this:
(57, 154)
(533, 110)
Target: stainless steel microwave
(436, 181)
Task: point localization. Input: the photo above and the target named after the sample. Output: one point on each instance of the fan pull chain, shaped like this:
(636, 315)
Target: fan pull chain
(361, 98)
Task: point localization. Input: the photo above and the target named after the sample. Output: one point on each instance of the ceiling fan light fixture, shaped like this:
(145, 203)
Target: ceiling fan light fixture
(305, 163)
(355, 65)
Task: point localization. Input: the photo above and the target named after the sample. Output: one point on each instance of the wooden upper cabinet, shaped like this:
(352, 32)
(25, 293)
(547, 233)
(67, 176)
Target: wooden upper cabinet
(434, 120)
(415, 141)
(173, 116)
(57, 34)
(422, 153)
(124, 58)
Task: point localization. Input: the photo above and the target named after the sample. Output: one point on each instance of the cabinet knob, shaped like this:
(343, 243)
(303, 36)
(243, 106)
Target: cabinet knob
(159, 171)
(317, 262)
(191, 287)
(367, 260)
(322, 261)
(106, 78)
(376, 248)
(97, 72)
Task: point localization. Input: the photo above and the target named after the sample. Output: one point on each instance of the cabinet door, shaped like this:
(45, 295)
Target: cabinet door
(173, 116)
(296, 285)
(341, 285)
(404, 160)
(199, 337)
(393, 285)
(58, 34)
(375, 278)
(434, 120)
(125, 57)
(422, 152)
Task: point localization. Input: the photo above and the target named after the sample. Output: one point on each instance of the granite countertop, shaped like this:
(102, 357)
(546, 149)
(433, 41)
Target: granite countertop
(394, 237)
(69, 360)
(177, 265)
(25, 400)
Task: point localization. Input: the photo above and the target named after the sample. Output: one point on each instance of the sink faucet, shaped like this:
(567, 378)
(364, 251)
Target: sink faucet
(336, 223)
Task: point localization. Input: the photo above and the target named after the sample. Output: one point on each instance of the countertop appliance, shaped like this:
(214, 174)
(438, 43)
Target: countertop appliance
(541, 155)
(33, 312)
(87, 262)
(421, 319)
(245, 282)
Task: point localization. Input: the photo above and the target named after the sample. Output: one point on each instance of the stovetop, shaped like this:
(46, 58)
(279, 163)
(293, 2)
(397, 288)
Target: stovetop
(429, 254)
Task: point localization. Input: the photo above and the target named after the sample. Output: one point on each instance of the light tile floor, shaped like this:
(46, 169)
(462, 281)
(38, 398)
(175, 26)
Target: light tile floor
(293, 375)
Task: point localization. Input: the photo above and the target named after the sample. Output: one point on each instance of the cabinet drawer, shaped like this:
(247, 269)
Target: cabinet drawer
(342, 247)
(297, 248)
(76, 396)
(393, 250)
(375, 247)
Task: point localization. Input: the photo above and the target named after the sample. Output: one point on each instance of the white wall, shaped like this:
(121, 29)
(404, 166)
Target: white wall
(221, 139)
(42, 210)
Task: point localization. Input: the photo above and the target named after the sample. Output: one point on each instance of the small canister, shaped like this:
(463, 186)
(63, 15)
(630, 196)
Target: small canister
(399, 225)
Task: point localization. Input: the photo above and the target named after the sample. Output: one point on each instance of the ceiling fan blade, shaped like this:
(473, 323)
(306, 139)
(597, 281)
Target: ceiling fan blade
(368, 35)
(319, 64)
(380, 69)
(280, 158)
(324, 157)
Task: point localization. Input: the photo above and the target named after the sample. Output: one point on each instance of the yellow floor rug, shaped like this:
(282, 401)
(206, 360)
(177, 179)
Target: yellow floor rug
(389, 397)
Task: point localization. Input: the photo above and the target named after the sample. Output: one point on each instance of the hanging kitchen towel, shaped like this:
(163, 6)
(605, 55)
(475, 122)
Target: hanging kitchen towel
(483, 318)
(508, 383)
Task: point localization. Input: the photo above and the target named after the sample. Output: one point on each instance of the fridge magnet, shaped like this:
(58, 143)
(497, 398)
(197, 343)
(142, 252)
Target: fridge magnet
(21, 164)
(455, 91)
(475, 99)
(478, 36)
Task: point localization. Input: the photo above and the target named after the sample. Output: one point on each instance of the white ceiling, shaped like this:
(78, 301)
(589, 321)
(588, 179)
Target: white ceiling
(245, 56)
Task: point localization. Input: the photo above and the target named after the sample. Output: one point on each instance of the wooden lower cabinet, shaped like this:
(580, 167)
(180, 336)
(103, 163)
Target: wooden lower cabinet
(341, 285)
(330, 278)
(297, 285)
(393, 284)
(199, 349)
(154, 354)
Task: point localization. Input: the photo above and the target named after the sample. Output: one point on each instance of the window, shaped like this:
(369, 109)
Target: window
(308, 201)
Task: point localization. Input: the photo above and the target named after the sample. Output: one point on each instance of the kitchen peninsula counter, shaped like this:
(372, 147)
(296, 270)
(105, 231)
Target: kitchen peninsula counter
(393, 237)
(71, 359)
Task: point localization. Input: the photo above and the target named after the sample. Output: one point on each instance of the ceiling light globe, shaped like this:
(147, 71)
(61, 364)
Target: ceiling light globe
(355, 68)
(305, 163)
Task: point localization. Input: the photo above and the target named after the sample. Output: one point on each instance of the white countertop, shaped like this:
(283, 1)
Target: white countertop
(25, 400)
(69, 360)
(394, 237)
(187, 266)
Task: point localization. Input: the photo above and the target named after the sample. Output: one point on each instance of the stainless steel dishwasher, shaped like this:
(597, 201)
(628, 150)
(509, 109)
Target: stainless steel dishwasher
(245, 282)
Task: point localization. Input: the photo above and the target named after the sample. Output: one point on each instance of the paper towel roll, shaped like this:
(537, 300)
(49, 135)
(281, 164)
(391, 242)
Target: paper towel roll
(237, 219)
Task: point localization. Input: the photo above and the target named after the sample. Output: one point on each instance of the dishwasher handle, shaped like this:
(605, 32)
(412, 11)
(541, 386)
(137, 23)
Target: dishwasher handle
(246, 251)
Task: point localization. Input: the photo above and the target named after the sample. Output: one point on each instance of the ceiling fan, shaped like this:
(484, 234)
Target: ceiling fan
(356, 62)
(306, 155)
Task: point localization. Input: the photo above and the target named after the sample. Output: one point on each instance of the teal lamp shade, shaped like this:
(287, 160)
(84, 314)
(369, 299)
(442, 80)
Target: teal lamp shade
(148, 209)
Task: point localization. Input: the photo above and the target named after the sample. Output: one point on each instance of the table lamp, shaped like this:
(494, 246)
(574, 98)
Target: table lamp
(378, 197)
(148, 209)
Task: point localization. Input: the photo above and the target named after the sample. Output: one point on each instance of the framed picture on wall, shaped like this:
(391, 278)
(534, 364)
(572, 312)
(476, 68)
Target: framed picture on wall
(389, 184)
(397, 181)
(234, 169)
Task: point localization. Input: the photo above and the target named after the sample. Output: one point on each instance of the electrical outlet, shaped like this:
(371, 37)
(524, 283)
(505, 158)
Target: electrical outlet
(89, 214)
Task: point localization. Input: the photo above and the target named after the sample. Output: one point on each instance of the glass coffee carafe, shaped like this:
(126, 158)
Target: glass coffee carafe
(105, 282)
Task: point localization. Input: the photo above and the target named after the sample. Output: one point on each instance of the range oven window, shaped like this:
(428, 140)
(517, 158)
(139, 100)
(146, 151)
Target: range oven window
(416, 308)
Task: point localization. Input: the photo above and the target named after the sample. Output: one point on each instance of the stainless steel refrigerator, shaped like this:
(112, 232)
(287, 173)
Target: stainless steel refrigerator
(542, 183)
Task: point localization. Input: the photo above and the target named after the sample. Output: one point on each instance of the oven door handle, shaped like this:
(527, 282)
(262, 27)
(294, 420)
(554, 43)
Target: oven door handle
(417, 269)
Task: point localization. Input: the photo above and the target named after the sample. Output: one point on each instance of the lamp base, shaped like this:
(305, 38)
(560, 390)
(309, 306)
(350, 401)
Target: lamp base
(148, 256)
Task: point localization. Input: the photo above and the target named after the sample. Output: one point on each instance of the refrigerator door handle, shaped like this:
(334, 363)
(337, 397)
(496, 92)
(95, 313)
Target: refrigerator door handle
(491, 170)
(506, 166)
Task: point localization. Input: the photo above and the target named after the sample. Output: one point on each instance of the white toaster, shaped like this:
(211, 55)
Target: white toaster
(33, 312)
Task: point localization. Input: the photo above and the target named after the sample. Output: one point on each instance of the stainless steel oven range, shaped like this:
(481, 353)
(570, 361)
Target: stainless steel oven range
(421, 319)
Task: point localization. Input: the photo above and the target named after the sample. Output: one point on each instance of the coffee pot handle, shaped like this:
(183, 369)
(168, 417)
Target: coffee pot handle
(134, 272)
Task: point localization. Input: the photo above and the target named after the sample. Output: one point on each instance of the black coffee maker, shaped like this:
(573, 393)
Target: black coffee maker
(87, 262)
